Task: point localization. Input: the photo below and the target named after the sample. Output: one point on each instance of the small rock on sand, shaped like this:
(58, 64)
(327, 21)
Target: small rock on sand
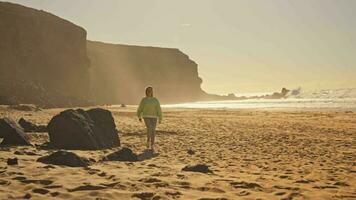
(12, 161)
(190, 151)
(144, 195)
(31, 127)
(65, 158)
(124, 154)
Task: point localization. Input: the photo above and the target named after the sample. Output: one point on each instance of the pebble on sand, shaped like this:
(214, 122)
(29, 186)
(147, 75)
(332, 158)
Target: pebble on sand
(12, 161)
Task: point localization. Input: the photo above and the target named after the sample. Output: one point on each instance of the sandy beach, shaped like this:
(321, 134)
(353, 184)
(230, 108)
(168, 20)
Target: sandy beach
(254, 154)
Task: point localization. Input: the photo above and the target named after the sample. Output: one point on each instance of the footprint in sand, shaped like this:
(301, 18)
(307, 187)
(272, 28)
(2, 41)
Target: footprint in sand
(53, 186)
(40, 191)
(24, 180)
(325, 187)
(304, 181)
(19, 178)
(243, 193)
(87, 187)
(150, 180)
(54, 194)
(173, 194)
(291, 196)
(155, 182)
(286, 187)
(27, 196)
(144, 195)
(42, 182)
(4, 182)
(183, 184)
(339, 183)
(245, 185)
(284, 176)
(102, 174)
(213, 189)
(280, 193)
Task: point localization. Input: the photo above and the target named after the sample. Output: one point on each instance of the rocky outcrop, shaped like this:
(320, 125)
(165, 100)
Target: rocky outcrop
(12, 134)
(119, 74)
(43, 58)
(86, 130)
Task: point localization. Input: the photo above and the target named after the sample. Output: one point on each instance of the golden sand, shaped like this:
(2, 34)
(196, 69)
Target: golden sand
(254, 154)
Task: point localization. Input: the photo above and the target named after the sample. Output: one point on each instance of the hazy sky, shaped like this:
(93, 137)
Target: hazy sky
(240, 45)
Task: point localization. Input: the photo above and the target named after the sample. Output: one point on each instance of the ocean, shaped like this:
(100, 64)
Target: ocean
(343, 99)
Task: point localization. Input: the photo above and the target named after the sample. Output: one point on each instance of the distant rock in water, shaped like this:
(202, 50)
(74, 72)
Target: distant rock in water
(12, 133)
(43, 58)
(278, 95)
(65, 158)
(31, 127)
(85, 130)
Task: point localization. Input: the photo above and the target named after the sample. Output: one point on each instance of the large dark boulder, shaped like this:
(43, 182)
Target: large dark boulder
(65, 158)
(105, 124)
(85, 130)
(31, 127)
(12, 133)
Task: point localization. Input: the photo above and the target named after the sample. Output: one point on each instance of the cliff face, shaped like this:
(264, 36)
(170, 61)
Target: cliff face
(120, 73)
(43, 58)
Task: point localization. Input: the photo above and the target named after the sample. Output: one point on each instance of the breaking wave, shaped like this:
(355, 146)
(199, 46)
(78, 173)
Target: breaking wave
(344, 93)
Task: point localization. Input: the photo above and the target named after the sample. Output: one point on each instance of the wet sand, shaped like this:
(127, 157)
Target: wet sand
(254, 154)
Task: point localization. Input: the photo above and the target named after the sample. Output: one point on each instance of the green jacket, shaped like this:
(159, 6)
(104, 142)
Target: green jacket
(149, 107)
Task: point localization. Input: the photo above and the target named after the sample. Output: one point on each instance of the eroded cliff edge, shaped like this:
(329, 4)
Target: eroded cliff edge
(43, 58)
(119, 73)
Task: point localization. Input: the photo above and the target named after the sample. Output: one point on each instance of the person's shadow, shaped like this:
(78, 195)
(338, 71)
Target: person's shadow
(147, 154)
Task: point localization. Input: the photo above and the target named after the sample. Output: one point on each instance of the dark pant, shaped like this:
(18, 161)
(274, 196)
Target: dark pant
(151, 131)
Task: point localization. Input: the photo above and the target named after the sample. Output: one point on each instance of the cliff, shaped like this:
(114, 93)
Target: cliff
(47, 61)
(43, 58)
(119, 74)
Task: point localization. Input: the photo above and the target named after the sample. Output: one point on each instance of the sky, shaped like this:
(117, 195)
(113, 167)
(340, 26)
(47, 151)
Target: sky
(240, 46)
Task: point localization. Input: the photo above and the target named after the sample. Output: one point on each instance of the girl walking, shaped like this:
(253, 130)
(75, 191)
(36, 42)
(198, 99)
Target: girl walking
(150, 110)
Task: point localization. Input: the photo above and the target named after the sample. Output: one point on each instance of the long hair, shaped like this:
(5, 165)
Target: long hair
(149, 88)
